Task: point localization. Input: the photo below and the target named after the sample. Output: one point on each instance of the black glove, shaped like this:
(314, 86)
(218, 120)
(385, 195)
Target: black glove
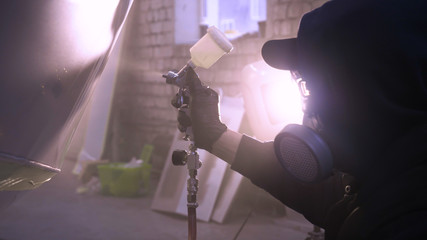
(204, 116)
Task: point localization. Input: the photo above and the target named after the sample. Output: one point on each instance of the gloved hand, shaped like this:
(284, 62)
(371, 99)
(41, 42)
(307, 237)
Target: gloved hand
(204, 116)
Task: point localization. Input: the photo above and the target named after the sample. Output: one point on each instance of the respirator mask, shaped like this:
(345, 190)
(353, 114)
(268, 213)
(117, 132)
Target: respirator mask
(300, 149)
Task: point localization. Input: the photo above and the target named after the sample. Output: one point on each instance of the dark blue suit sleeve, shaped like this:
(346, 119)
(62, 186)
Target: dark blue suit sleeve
(257, 161)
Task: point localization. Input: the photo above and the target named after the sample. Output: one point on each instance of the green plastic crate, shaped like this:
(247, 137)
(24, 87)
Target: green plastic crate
(121, 181)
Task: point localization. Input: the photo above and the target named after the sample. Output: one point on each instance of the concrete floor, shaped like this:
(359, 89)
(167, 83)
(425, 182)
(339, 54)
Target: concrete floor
(56, 212)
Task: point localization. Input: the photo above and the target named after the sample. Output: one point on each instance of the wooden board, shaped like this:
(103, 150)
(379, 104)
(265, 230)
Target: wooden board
(172, 181)
(231, 183)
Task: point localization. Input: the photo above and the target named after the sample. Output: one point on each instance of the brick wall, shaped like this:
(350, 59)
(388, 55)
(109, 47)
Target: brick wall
(283, 16)
(141, 110)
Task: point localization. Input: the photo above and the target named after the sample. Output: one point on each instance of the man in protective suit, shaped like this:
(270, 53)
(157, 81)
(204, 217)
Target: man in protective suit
(365, 65)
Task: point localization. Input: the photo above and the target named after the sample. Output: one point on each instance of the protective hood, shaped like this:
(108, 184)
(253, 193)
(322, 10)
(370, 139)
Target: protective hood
(365, 64)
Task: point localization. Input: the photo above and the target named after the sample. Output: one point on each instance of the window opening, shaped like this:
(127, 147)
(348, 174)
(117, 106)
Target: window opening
(234, 18)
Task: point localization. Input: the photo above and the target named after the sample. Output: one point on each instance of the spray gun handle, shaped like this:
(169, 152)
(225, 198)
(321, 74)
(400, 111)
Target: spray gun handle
(181, 100)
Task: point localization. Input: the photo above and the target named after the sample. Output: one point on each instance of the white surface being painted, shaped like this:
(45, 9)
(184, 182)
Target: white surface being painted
(99, 111)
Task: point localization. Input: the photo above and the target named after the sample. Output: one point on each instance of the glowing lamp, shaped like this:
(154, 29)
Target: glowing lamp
(272, 99)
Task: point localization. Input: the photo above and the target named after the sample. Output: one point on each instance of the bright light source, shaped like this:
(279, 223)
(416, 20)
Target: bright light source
(282, 100)
(272, 99)
(92, 20)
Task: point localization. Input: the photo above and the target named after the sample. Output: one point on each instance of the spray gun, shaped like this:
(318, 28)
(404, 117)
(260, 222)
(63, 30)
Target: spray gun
(211, 47)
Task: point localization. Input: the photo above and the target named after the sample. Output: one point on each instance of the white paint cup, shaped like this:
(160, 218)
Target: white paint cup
(211, 47)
